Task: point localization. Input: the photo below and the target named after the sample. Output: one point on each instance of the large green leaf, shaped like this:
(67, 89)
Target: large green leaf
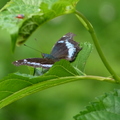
(16, 86)
(36, 13)
(107, 107)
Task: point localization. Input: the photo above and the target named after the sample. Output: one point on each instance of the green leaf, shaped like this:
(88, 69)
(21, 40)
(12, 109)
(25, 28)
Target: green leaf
(106, 108)
(62, 68)
(82, 57)
(36, 13)
(16, 86)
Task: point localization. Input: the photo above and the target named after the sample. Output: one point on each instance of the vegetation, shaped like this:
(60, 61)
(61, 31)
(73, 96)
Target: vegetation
(37, 22)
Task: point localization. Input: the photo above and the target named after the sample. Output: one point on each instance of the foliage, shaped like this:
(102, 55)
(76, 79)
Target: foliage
(36, 13)
(105, 108)
(16, 86)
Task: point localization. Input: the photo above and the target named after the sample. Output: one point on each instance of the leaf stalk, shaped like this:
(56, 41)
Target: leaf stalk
(90, 28)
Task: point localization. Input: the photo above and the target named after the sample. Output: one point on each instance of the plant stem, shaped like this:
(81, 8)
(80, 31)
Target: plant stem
(90, 28)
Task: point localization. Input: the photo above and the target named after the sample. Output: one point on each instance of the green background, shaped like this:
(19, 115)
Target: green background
(64, 101)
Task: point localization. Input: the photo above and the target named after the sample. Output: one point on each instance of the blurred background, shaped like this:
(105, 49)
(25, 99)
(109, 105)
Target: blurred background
(64, 101)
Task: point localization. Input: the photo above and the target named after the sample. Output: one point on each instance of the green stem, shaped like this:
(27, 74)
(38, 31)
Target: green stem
(90, 28)
(48, 83)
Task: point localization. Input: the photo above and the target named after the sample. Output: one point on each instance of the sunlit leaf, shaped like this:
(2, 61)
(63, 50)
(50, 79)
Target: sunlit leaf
(36, 12)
